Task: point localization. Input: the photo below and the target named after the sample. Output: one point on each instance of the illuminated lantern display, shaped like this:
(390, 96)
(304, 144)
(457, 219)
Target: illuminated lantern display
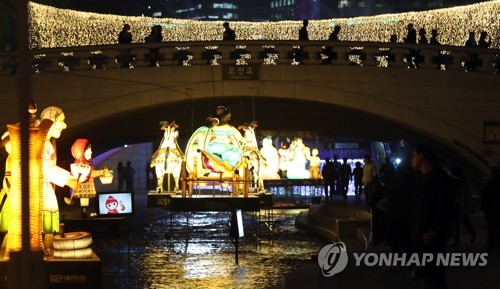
(298, 154)
(167, 160)
(251, 151)
(314, 164)
(5, 208)
(283, 159)
(270, 153)
(44, 210)
(83, 170)
(215, 150)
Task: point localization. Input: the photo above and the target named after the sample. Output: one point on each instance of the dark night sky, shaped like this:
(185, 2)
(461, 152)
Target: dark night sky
(138, 7)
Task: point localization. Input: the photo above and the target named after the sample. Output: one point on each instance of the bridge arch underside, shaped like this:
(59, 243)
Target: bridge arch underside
(116, 106)
(276, 116)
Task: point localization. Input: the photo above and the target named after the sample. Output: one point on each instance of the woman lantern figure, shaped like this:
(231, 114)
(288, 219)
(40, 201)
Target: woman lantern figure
(167, 159)
(84, 171)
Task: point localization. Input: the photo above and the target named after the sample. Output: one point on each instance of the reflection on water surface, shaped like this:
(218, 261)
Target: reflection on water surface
(201, 254)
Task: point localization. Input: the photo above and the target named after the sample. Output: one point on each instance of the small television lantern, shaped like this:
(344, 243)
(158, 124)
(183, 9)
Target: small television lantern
(115, 204)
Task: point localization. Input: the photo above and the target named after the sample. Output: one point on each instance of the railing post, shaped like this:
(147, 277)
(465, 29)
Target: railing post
(197, 52)
(458, 58)
(283, 51)
(487, 60)
(254, 51)
(342, 52)
(140, 57)
(111, 58)
(226, 54)
(400, 55)
(370, 52)
(81, 60)
(428, 57)
(168, 56)
(313, 54)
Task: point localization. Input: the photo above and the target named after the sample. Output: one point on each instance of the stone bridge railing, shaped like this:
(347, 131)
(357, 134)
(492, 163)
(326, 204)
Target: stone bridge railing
(259, 53)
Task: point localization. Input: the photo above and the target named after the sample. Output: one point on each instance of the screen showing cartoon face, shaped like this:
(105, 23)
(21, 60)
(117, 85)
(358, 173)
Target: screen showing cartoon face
(115, 203)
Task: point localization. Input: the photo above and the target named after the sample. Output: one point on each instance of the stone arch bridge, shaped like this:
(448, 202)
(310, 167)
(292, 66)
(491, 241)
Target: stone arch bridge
(116, 93)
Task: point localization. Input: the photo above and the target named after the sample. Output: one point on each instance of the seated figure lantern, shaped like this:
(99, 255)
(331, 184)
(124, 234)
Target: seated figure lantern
(167, 159)
(215, 150)
(298, 154)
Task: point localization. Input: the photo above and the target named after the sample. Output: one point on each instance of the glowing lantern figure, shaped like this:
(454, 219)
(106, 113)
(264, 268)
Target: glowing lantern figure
(167, 159)
(270, 153)
(5, 208)
(83, 170)
(44, 210)
(298, 154)
(215, 149)
(314, 162)
(251, 151)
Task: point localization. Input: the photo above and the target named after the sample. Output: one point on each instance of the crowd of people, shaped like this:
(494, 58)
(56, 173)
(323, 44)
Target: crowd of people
(53, 27)
(420, 205)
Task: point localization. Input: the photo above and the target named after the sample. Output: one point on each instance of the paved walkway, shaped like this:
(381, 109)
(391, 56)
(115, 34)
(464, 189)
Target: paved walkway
(309, 275)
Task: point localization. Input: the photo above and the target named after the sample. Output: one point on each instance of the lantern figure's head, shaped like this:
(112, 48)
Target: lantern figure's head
(56, 115)
(82, 151)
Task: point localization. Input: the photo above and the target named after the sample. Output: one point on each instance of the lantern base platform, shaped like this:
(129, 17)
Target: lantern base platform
(64, 273)
(208, 202)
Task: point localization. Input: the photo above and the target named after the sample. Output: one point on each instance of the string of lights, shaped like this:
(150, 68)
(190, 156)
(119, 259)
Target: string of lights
(54, 27)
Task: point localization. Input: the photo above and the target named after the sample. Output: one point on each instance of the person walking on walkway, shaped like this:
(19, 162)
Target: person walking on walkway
(433, 214)
(121, 179)
(490, 204)
(357, 173)
(328, 173)
(344, 177)
(369, 174)
(128, 174)
(463, 205)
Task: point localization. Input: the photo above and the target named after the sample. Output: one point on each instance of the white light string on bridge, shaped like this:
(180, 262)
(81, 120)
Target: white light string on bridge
(53, 27)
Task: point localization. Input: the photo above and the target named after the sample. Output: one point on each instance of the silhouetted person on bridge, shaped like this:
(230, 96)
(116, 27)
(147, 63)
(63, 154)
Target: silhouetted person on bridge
(228, 34)
(303, 34)
(422, 39)
(482, 40)
(154, 37)
(298, 54)
(470, 64)
(434, 35)
(334, 36)
(411, 38)
(125, 37)
(439, 59)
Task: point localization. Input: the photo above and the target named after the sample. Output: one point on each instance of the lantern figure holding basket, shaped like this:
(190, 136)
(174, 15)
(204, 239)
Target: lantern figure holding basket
(84, 171)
